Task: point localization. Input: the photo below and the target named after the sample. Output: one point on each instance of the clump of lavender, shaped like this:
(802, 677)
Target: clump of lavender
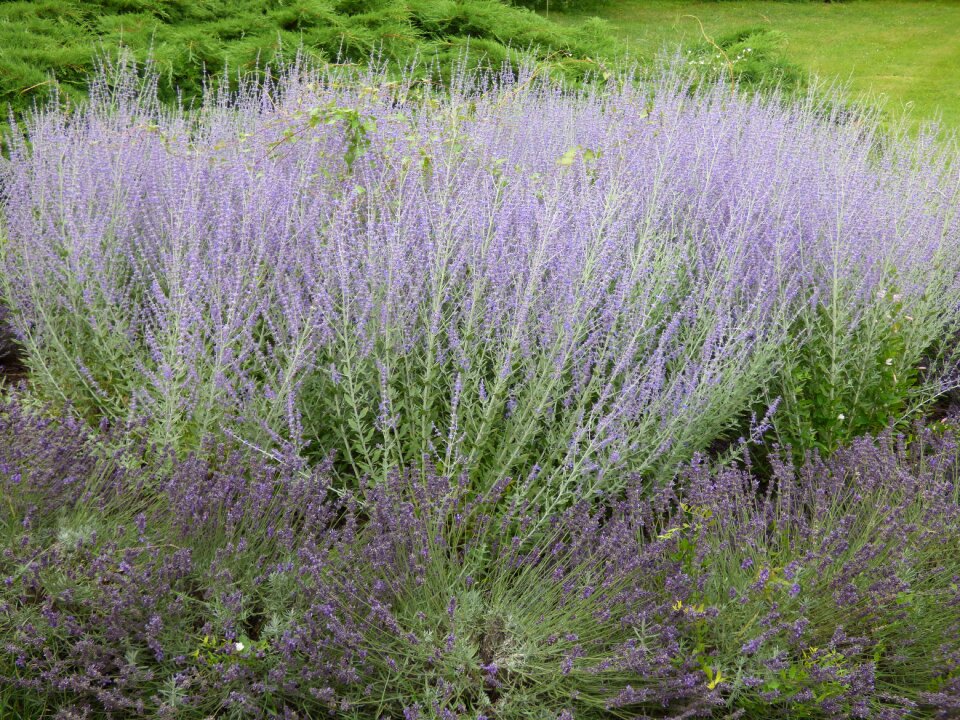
(187, 590)
(229, 586)
(512, 280)
(829, 595)
(832, 593)
(460, 610)
(138, 588)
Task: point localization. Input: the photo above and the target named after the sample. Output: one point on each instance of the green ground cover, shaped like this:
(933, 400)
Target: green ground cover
(45, 39)
(903, 52)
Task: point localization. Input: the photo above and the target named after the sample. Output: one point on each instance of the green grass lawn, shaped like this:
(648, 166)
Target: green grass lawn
(905, 53)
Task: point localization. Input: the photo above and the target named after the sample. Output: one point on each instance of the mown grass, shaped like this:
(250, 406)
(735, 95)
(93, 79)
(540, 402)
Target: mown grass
(56, 43)
(900, 52)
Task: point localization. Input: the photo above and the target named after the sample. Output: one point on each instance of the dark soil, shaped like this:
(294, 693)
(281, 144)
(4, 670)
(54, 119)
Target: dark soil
(12, 369)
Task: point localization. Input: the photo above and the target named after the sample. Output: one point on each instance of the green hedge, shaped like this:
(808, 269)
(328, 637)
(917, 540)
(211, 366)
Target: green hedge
(56, 43)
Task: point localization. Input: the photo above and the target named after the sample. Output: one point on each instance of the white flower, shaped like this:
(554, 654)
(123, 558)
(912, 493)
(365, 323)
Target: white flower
(239, 646)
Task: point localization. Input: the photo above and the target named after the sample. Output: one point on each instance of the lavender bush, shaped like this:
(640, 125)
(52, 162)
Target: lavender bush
(831, 592)
(512, 280)
(229, 588)
(128, 585)
(226, 587)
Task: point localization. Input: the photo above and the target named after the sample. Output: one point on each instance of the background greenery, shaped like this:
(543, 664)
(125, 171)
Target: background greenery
(898, 52)
(902, 51)
(63, 38)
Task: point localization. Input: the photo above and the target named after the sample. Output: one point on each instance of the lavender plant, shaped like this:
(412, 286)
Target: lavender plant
(130, 587)
(874, 348)
(195, 590)
(510, 279)
(232, 588)
(831, 594)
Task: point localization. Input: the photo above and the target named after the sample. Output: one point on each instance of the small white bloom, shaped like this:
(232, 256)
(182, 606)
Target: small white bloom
(841, 416)
(239, 646)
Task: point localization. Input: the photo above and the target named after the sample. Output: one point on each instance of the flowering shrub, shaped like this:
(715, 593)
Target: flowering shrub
(514, 281)
(130, 589)
(830, 593)
(231, 587)
(176, 593)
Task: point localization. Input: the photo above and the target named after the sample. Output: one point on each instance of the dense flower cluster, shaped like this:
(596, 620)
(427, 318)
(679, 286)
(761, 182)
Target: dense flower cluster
(384, 403)
(512, 280)
(230, 586)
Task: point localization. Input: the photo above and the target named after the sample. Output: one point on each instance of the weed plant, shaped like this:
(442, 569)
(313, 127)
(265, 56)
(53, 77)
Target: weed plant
(231, 587)
(751, 57)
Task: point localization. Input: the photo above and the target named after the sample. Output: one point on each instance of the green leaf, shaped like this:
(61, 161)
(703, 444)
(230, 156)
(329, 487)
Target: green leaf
(569, 156)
